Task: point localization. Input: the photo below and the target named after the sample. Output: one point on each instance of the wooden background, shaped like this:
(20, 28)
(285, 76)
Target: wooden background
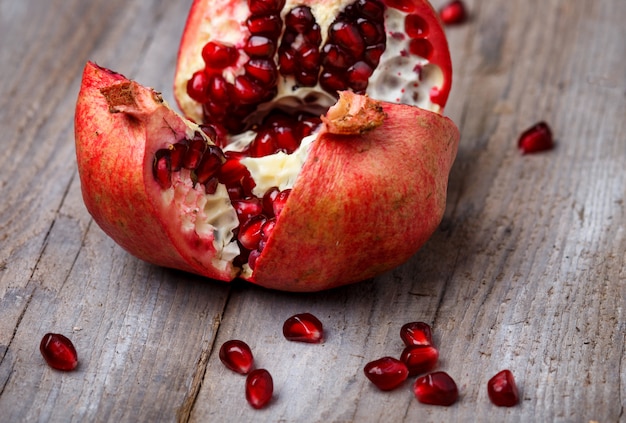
(526, 272)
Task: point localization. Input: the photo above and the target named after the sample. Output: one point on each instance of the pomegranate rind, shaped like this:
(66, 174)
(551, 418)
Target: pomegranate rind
(119, 125)
(362, 204)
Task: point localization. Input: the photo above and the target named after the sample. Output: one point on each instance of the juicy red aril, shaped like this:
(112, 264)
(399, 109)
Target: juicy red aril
(218, 55)
(303, 327)
(210, 164)
(436, 388)
(265, 6)
(416, 333)
(268, 25)
(403, 5)
(197, 87)
(162, 169)
(419, 358)
(536, 138)
(502, 389)
(58, 351)
(279, 202)
(237, 356)
(386, 373)
(247, 208)
(453, 13)
(415, 26)
(260, 46)
(250, 232)
(259, 388)
(263, 71)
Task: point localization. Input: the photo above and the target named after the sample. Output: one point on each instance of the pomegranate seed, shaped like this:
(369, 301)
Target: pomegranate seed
(267, 229)
(407, 6)
(348, 37)
(253, 257)
(453, 13)
(386, 373)
(177, 154)
(218, 55)
(300, 19)
(58, 351)
(536, 138)
(303, 327)
(260, 46)
(237, 356)
(280, 201)
(161, 168)
(416, 333)
(502, 389)
(197, 87)
(263, 144)
(250, 232)
(268, 200)
(259, 7)
(420, 358)
(263, 71)
(247, 91)
(197, 147)
(259, 388)
(218, 89)
(268, 25)
(436, 388)
(247, 208)
(415, 26)
(359, 75)
(335, 56)
(211, 162)
(421, 47)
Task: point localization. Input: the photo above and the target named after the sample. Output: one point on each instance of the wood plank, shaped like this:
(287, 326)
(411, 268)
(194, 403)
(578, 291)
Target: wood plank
(526, 272)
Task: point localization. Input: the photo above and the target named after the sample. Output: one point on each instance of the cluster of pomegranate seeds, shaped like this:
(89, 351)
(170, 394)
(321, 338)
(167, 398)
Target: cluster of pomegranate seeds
(386, 373)
(208, 166)
(237, 356)
(502, 389)
(436, 388)
(453, 13)
(259, 388)
(304, 327)
(536, 138)
(58, 351)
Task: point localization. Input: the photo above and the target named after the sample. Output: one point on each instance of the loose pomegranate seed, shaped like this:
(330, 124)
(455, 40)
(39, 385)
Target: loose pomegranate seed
(436, 388)
(259, 388)
(453, 13)
(386, 373)
(536, 138)
(58, 351)
(416, 333)
(420, 358)
(502, 389)
(237, 356)
(304, 327)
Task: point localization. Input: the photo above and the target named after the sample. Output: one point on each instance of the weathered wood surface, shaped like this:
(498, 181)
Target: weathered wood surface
(527, 271)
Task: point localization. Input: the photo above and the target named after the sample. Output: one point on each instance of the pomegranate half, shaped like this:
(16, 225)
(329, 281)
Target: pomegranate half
(307, 189)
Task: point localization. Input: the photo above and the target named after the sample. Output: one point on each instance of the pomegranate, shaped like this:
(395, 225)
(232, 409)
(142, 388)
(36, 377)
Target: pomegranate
(536, 138)
(284, 177)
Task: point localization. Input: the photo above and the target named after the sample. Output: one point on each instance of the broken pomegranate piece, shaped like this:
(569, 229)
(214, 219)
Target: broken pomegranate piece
(237, 356)
(259, 388)
(58, 351)
(536, 138)
(453, 13)
(502, 389)
(436, 388)
(386, 373)
(416, 333)
(304, 327)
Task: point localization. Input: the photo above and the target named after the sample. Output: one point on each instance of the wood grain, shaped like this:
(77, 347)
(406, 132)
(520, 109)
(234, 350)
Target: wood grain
(526, 272)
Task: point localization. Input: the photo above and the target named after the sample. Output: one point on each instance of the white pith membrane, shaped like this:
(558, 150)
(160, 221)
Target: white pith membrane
(398, 78)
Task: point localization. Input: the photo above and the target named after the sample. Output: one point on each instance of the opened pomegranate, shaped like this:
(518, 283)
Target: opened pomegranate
(286, 177)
